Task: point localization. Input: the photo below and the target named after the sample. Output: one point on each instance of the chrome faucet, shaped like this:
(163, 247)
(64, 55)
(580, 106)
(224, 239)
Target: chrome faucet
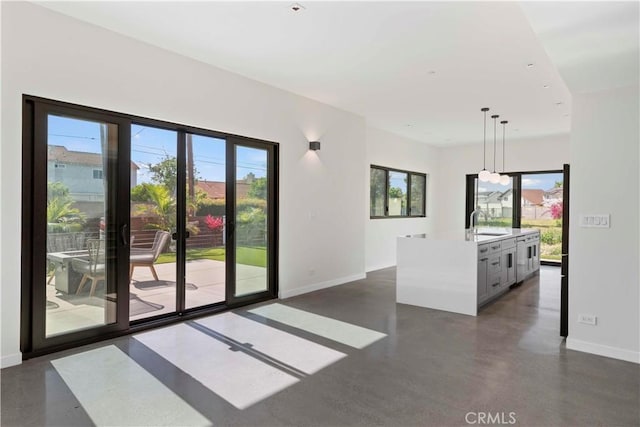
(472, 216)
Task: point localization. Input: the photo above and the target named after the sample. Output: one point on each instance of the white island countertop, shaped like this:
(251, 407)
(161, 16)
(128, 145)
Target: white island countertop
(481, 234)
(440, 270)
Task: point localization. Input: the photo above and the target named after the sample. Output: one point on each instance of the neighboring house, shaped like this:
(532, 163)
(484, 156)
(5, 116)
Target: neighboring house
(496, 204)
(83, 174)
(553, 196)
(532, 197)
(216, 190)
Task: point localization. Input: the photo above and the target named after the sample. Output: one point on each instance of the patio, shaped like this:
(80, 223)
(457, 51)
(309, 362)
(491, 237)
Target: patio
(205, 284)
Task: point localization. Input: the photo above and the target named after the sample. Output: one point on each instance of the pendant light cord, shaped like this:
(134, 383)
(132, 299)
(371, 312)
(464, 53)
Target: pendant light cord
(503, 131)
(484, 144)
(494, 140)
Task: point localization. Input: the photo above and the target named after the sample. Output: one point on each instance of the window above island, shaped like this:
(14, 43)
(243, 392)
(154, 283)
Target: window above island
(396, 193)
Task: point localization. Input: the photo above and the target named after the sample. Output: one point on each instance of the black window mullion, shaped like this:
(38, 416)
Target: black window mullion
(409, 178)
(181, 219)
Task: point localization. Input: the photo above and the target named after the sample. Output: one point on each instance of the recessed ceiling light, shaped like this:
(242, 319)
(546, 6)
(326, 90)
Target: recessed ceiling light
(566, 115)
(558, 104)
(530, 65)
(546, 86)
(297, 7)
(431, 72)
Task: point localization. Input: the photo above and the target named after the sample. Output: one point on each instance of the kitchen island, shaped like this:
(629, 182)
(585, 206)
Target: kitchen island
(461, 271)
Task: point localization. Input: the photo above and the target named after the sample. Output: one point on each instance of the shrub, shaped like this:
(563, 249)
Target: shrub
(551, 236)
(217, 207)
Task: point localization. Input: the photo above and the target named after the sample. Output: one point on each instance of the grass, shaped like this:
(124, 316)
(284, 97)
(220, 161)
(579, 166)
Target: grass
(247, 256)
(550, 233)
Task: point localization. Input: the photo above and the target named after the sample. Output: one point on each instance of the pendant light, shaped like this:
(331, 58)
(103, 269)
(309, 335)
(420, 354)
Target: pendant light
(494, 177)
(484, 174)
(504, 179)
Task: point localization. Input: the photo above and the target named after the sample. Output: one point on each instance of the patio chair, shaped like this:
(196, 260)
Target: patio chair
(92, 268)
(147, 257)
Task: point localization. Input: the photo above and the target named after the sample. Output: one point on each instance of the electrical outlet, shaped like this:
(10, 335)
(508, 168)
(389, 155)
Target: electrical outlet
(587, 319)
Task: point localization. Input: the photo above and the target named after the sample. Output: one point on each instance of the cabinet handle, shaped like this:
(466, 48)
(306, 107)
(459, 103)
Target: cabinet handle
(495, 247)
(528, 251)
(495, 263)
(535, 250)
(495, 284)
(483, 250)
(510, 261)
(483, 259)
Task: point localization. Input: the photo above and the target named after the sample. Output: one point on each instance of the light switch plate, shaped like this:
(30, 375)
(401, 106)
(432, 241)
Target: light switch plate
(595, 220)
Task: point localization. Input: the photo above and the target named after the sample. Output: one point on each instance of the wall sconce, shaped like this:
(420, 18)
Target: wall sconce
(314, 145)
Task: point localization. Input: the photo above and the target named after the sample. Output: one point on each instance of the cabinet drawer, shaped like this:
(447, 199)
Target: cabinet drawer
(495, 247)
(483, 251)
(494, 264)
(494, 283)
(508, 243)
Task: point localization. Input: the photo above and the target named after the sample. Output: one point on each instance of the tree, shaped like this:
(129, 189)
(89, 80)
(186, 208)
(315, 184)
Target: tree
(60, 205)
(165, 172)
(558, 184)
(258, 189)
(395, 193)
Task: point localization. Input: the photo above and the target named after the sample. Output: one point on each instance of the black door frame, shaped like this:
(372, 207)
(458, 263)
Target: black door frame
(516, 220)
(33, 268)
(564, 267)
(34, 231)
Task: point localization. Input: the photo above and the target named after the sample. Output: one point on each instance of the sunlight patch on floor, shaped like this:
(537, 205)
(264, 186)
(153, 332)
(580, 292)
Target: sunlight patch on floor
(298, 353)
(229, 372)
(336, 330)
(114, 390)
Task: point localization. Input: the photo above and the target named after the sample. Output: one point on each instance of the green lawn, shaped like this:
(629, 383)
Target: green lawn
(247, 256)
(550, 234)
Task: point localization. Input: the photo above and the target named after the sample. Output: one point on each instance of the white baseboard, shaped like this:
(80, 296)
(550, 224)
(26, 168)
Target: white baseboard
(379, 267)
(11, 360)
(603, 350)
(321, 285)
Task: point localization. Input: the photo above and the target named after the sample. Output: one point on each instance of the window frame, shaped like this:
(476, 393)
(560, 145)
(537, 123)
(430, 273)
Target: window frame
(409, 174)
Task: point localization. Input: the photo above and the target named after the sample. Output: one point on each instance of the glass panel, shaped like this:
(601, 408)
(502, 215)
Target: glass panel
(397, 193)
(377, 189)
(79, 293)
(541, 206)
(251, 220)
(418, 187)
(153, 219)
(494, 204)
(206, 204)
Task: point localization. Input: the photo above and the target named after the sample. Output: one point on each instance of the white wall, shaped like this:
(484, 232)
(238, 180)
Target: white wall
(603, 263)
(456, 162)
(322, 197)
(393, 151)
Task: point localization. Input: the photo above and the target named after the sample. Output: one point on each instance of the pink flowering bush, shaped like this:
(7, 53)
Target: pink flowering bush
(214, 223)
(556, 210)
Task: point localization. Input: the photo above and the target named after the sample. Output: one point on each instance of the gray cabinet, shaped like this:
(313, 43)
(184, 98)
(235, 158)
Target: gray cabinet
(483, 268)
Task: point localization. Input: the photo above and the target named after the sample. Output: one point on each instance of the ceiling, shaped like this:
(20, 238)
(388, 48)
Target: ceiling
(419, 69)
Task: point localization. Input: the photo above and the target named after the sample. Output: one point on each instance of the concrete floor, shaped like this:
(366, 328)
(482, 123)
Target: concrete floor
(347, 355)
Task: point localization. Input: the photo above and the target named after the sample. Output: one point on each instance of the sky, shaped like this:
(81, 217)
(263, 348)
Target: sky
(151, 145)
(544, 181)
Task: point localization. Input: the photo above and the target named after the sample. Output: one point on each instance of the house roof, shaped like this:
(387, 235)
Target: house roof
(533, 196)
(60, 154)
(217, 189)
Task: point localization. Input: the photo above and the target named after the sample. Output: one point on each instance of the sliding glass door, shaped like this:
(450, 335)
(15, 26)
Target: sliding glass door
(76, 263)
(252, 242)
(130, 220)
(541, 207)
(530, 200)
